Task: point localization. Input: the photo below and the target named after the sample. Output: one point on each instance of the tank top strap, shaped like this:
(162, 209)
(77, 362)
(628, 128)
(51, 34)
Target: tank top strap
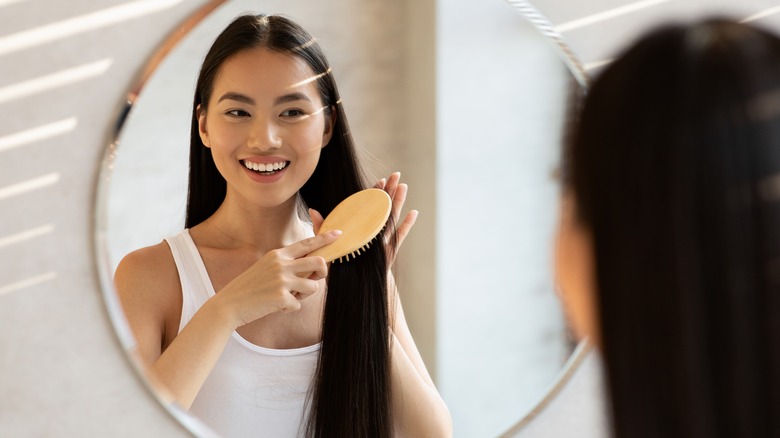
(196, 287)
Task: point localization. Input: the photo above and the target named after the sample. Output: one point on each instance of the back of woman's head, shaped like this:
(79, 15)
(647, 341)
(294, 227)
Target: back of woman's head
(675, 169)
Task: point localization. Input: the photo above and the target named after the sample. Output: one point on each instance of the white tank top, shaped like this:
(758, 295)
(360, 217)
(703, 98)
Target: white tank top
(252, 391)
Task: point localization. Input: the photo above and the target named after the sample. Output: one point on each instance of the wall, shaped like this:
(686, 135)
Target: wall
(62, 372)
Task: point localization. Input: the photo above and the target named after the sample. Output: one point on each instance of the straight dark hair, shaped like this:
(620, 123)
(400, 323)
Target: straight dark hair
(675, 169)
(350, 394)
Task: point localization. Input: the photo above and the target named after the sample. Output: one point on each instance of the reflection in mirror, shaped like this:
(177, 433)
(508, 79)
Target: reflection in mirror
(496, 161)
(234, 314)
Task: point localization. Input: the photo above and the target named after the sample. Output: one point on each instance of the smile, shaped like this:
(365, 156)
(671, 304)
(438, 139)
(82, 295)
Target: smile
(266, 169)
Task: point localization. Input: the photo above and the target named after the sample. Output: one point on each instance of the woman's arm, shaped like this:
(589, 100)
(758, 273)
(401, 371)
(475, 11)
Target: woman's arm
(150, 293)
(418, 409)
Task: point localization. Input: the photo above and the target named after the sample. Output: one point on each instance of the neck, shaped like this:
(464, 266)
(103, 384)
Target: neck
(239, 225)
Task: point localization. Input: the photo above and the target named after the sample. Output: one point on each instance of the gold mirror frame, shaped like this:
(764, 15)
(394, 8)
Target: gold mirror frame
(113, 306)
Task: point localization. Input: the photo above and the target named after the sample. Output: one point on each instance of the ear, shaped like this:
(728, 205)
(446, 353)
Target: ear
(575, 273)
(330, 122)
(204, 135)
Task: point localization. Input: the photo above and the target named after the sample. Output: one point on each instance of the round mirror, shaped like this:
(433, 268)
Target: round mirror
(472, 113)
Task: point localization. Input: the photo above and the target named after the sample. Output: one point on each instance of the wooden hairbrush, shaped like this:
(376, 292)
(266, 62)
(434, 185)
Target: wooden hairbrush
(360, 217)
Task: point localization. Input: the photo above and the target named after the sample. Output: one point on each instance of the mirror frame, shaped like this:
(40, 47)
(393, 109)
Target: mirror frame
(100, 237)
(543, 25)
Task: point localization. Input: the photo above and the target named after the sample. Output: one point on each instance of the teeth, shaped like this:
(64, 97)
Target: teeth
(260, 167)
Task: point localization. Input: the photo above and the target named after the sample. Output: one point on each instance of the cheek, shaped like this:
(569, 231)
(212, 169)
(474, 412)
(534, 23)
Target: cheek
(309, 160)
(574, 275)
(310, 138)
(223, 144)
(307, 148)
(224, 137)
(307, 144)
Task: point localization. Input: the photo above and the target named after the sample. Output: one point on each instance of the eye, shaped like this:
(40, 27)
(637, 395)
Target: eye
(293, 112)
(237, 113)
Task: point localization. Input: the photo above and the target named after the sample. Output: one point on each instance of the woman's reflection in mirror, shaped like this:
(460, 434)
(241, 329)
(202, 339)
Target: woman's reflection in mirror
(221, 317)
(669, 244)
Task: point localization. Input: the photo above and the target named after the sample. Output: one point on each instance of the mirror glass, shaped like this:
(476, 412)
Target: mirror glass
(494, 337)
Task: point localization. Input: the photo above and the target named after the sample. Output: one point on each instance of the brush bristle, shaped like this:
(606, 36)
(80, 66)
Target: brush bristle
(356, 253)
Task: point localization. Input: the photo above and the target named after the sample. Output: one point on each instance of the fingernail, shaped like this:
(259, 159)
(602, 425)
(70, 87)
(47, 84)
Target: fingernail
(335, 233)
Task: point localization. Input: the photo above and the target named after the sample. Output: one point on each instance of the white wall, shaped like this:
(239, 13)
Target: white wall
(62, 371)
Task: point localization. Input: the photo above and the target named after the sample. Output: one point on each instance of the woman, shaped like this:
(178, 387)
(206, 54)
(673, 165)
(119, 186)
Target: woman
(669, 245)
(221, 313)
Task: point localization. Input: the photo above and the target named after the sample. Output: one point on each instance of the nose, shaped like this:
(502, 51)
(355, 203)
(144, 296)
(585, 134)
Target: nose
(265, 136)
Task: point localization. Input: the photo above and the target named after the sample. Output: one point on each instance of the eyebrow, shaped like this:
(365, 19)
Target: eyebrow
(238, 97)
(291, 97)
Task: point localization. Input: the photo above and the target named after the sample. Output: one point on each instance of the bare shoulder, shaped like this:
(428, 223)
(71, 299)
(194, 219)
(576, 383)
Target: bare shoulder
(147, 283)
(145, 273)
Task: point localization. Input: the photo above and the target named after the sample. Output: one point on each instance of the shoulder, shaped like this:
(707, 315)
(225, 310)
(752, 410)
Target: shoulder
(147, 283)
(146, 264)
(147, 280)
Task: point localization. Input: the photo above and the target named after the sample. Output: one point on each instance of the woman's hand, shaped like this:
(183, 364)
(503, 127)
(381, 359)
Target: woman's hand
(397, 193)
(277, 282)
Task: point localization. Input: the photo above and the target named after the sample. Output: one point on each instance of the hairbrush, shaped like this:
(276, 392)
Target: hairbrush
(360, 217)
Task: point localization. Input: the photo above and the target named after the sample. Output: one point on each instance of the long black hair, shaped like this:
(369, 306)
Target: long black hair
(350, 394)
(675, 169)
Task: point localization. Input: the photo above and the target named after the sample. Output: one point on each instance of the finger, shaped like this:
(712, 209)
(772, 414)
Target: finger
(303, 287)
(293, 305)
(312, 267)
(305, 246)
(319, 274)
(405, 227)
(288, 301)
(399, 198)
(316, 220)
(392, 183)
(380, 184)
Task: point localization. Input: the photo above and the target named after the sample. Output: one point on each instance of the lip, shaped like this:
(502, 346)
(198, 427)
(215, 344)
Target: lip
(266, 179)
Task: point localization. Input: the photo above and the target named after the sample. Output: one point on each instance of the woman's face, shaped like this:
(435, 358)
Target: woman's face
(265, 125)
(575, 271)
